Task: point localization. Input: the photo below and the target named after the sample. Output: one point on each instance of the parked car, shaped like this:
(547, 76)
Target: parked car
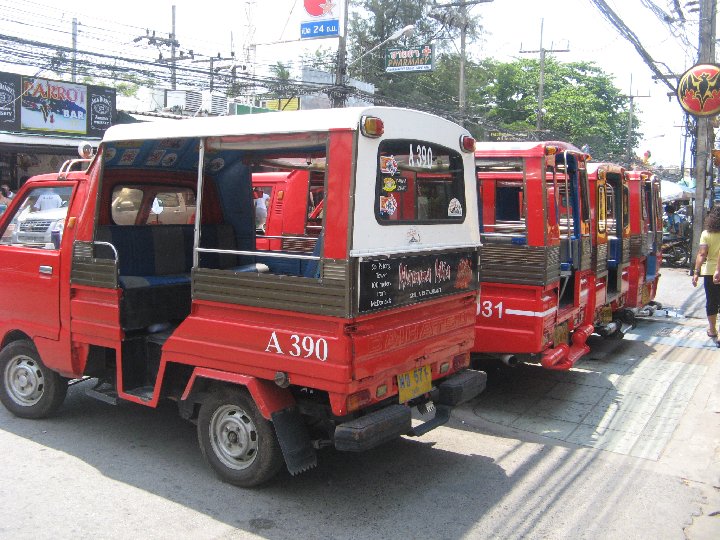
(41, 227)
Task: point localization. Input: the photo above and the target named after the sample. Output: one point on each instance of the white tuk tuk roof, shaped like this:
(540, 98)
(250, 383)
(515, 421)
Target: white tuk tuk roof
(319, 120)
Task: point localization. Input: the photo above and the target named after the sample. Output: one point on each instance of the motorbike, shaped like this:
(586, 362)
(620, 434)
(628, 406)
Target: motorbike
(676, 251)
(676, 247)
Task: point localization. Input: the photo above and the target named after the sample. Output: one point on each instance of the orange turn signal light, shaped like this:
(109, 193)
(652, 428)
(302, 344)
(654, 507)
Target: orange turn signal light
(372, 126)
(467, 143)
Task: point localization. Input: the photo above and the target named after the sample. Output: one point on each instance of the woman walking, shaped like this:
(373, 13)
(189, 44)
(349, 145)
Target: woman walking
(706, 265)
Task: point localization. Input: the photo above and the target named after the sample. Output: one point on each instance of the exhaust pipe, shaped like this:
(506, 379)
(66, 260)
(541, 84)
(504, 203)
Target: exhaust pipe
(510, 360)
(608, 329)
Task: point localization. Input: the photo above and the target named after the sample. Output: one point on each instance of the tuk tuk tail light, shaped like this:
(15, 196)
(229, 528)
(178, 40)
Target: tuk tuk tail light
(551, 150)
(467, 143)
(461, 360)
(444, 368)
(358, 399)
(372, 126)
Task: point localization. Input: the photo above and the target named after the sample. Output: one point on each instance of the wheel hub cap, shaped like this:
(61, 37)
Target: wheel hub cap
(24, 381)
(233, 437)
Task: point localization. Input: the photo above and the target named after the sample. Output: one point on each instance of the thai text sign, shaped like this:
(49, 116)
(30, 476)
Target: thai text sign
(403, 280)
(418, 58)
(325, 20)
(31, 104)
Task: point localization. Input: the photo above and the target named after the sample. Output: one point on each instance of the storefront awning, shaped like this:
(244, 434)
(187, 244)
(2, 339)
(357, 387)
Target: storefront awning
(14, 142)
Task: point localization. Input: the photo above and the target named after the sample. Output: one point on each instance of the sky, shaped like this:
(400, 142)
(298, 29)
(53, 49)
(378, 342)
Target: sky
(576, 25)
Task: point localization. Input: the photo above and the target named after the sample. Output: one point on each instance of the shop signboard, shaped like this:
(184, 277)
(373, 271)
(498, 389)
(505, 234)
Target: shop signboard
(419, 58)
(39, 105)
(699, 90)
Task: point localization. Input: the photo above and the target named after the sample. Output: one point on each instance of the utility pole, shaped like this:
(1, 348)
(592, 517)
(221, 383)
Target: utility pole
(339, 95)
(74, 49)
(541, 86)
(462, 24)
(173, 43)
(169, 41)
(706, 55)
(213, 70)
(462, 91)
(628, 141)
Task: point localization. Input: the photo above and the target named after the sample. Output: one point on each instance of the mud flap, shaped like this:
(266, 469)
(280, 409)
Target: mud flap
(294, 440)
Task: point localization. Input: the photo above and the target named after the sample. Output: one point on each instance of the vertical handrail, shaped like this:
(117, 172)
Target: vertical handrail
(198, 204)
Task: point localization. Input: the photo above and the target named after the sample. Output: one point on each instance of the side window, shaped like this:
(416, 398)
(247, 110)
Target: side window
(126, 205)
(152, 205)
(501, 180)
(39, 221)
(611, 207)
(602, 209)
(626, 206)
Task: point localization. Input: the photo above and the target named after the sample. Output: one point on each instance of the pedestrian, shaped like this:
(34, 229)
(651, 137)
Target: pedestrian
(7, 192)
(260, 201)
(4, 196)
(47, 200)
(672, 220)
(706, 265)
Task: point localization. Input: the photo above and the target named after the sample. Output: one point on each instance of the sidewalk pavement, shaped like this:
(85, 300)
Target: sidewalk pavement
(654, 396)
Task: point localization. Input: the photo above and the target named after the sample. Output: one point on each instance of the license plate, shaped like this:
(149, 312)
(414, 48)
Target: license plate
(645, 295)
(414, 383)
(561, 334)
(606, 314)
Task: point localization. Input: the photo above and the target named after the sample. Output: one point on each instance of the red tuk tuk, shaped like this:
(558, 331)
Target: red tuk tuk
(274, 353)
(535, 260)
(610, 199)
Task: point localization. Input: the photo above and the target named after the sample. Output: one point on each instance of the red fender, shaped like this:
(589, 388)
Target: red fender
(268, 396)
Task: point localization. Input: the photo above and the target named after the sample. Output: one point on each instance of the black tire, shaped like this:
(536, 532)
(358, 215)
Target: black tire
(29, 389)
(236, 441)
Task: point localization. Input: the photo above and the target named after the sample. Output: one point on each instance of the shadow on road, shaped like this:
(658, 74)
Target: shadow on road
(156, 451)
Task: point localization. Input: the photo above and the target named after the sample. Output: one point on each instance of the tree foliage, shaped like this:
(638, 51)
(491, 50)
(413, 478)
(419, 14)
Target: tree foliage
(583, 106)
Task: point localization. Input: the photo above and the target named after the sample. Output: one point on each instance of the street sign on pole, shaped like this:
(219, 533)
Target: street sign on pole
(324, 22)
(320, 29)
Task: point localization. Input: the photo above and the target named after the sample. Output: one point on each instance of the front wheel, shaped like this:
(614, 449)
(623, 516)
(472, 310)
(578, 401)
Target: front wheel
(29, 389)
(236, 441)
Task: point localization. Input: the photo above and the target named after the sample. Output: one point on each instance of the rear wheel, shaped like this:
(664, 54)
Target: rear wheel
(29, 389)
(236, 441)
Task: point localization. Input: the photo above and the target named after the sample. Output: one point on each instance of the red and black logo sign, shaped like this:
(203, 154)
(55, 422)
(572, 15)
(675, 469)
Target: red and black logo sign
(699, 90)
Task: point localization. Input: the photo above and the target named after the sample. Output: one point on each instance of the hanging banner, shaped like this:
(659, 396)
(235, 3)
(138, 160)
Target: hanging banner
(32, 104)
(418, 58)
(325, 19)
(699, 90)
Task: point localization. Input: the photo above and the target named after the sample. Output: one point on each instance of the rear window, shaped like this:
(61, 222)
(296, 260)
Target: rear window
(418, 182)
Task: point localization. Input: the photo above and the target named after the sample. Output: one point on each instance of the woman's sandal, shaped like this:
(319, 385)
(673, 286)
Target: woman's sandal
(710, 335)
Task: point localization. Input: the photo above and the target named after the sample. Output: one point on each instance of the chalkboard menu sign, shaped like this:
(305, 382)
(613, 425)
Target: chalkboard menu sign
(403, 280)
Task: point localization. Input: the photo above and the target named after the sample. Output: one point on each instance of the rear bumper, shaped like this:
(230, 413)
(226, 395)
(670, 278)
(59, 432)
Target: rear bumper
(391, 422)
